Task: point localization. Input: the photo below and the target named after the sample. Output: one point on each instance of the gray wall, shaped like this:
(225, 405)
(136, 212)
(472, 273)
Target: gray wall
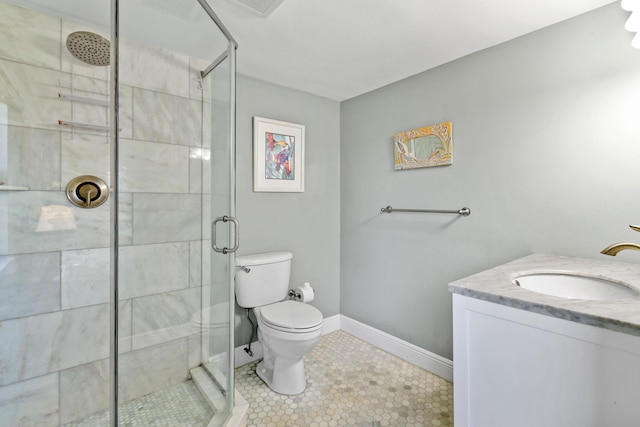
(546, 154)
(307, 224)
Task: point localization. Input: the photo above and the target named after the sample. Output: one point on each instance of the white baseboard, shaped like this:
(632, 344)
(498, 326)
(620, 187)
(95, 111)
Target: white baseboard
(400, 348)
(242, 357)
(331, 324)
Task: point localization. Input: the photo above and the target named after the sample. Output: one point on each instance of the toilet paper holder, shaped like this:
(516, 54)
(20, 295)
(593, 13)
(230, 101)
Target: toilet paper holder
(294, 294)
(297, 293)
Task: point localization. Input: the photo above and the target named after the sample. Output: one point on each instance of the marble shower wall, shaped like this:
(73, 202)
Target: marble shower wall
(54, 258)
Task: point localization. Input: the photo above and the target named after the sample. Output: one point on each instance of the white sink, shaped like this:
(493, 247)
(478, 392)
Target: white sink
(575, 287)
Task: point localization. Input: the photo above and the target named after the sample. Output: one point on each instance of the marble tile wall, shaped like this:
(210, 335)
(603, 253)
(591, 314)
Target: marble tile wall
(167, 118)
(85, 390)
(44, 221)
(31, 403)
(84, 278)
(154, 368)
(31, 95)
(150, 269)
(164, 317)
(166, 217)
(20, 27)
(46, 343)
(30, 284)
(153, 168)
(54, 258)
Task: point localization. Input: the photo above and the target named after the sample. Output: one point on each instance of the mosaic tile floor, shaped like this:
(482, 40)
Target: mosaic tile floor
(180, 405)
(351, 383)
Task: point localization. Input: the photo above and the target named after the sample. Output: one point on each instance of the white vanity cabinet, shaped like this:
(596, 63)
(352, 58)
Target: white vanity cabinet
(518, 368)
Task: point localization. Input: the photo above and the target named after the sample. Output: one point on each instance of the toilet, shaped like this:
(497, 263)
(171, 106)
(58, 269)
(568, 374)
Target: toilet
(287, 329)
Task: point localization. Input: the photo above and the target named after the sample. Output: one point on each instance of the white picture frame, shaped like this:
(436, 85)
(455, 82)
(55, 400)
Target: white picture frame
(278, 156)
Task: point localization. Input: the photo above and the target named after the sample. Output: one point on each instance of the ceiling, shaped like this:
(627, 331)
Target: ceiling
(343, 48)
(337, 49)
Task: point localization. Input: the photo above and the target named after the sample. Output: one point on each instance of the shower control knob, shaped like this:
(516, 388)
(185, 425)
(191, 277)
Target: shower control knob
(87, 191)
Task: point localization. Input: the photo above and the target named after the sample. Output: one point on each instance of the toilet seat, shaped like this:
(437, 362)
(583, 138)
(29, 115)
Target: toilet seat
(291, 316)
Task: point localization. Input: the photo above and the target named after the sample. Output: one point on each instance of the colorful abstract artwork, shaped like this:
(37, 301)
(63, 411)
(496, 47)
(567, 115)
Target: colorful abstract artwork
(278, 156)
(424, 147)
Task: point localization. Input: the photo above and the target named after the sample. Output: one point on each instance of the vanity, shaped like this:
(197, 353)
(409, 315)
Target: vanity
(530, 359)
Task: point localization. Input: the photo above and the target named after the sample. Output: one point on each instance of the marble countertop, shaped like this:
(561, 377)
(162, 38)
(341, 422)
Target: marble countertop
(495, 285)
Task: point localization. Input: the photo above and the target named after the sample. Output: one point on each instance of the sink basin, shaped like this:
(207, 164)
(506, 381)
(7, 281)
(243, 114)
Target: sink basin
(575, 287)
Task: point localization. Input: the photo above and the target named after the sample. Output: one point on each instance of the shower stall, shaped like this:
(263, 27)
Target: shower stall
(117, 165)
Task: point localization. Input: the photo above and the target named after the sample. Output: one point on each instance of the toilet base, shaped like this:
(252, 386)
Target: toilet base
(285, 376)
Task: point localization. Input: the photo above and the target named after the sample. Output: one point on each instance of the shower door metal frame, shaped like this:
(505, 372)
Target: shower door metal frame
(115, 197)
(229, 217)
(114, 168)
(231, 55)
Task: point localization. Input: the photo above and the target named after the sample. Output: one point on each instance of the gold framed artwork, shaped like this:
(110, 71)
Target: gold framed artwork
(425, 147)
(278, 156)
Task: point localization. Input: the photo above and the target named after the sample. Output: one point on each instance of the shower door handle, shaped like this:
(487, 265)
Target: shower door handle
(236, 234)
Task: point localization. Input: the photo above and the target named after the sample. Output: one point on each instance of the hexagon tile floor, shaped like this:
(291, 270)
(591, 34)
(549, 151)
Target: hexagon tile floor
(180, 405)
(351, 383)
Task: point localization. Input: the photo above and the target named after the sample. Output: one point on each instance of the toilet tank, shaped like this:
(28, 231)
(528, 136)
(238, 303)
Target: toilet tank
(267, 281)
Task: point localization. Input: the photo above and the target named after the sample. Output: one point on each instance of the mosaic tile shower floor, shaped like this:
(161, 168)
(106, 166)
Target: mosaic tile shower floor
(181, 405)
(351, 383)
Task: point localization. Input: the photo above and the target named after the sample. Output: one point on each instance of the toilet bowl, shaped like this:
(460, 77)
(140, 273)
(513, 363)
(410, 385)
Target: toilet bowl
(287, 329)
(285, 342)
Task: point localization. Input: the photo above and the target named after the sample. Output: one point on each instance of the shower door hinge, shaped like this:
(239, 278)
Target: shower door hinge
(236, 234)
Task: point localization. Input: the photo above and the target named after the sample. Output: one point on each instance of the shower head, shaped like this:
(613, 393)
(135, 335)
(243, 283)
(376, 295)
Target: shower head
(90, 48)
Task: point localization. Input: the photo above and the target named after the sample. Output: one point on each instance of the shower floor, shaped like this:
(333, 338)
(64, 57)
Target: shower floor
(181, 405)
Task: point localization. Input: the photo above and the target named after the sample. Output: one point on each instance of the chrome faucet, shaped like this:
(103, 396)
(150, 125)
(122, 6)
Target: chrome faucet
(617, 247)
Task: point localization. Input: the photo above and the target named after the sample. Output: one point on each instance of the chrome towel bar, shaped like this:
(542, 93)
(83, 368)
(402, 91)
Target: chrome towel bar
(461, 211)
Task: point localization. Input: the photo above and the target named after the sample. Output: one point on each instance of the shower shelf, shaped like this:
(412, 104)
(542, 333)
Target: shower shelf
(84, 126)
(13, 188)
(84, 99)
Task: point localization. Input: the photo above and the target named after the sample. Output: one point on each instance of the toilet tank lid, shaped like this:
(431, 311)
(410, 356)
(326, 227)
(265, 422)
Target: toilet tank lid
(263, 258)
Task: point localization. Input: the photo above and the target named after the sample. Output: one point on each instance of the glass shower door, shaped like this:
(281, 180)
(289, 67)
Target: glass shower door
(54, 256)
(170, 335)
(174, 314)
(221, 226)
(58, 272)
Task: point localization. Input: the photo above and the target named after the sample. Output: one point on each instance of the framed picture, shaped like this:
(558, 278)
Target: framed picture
(425, 147)
(278, 156)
